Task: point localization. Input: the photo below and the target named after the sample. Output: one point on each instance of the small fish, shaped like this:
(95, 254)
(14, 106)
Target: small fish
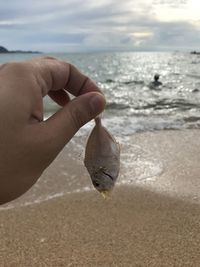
(102, 158)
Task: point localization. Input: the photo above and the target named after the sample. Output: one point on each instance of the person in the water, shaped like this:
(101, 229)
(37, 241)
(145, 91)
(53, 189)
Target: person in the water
(156, 81)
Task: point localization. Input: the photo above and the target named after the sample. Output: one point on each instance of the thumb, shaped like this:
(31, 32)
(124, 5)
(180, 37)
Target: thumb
(67, 121)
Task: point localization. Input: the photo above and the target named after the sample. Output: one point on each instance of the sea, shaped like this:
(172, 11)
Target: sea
(134, 104)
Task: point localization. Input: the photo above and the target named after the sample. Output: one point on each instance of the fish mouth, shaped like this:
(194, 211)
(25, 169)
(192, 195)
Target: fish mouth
(103, 181)
(108, 175)
(105, 194)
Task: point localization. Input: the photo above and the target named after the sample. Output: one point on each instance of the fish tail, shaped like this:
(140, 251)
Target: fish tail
(98, 120)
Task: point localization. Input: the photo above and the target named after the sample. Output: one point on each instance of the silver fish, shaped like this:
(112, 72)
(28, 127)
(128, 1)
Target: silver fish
(102, 158)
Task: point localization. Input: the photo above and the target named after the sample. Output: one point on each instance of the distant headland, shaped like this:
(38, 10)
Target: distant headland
(4, 50)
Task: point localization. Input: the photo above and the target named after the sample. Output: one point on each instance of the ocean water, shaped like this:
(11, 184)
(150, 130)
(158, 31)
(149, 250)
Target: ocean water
(133, 104)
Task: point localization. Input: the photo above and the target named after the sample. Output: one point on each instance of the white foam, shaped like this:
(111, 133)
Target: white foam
(138, 166)
(44, 199)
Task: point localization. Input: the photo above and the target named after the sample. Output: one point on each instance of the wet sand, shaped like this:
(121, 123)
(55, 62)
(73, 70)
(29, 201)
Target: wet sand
(156, 224)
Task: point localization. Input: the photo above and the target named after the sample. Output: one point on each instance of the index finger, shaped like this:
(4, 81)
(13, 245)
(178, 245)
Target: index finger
(59, 74)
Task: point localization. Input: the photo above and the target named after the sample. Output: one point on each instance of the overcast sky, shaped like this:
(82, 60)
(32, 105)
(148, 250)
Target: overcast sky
(90, 25)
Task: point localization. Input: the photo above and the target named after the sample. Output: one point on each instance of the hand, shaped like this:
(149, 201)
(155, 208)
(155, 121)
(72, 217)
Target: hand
(27, 143)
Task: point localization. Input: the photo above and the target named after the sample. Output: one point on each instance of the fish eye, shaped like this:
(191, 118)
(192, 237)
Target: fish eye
(96, 184)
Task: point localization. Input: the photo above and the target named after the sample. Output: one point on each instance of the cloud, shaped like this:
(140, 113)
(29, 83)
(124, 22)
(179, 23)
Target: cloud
(172, 3)
(71, 25)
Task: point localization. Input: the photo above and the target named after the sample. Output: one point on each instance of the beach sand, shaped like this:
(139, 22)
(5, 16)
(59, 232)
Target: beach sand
(153, 224)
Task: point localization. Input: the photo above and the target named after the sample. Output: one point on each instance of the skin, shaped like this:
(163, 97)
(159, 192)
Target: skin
(28, 144)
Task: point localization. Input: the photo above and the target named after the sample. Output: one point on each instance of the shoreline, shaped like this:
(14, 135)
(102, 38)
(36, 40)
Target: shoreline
(159, 161)
(155, 223)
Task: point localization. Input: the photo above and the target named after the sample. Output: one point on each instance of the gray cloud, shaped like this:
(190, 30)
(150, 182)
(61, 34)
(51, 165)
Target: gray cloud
(70, 25)
(171, 3)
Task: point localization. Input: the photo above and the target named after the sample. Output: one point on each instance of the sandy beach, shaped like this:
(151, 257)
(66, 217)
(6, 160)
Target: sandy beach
(156, 223)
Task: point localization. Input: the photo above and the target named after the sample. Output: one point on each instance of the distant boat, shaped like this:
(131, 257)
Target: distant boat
(194, 53)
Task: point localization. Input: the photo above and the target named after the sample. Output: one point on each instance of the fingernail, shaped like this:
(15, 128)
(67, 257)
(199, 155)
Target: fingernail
(97, 103)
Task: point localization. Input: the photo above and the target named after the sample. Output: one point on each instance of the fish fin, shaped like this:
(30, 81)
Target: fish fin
(98, 121)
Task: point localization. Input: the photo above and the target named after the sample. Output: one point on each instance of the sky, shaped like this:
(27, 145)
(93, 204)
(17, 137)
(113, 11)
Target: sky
(100, 25)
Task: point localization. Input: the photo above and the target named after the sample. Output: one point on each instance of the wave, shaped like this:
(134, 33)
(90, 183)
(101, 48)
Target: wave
(196, 90)
(110, 81)
(118, 106)
(194, 76)
(167, 104)
(138, 166)
(195, 62)
(138, 82)
(134, 81)
(191, 119)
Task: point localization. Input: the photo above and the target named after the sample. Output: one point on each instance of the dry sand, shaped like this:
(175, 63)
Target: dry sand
(157, 224)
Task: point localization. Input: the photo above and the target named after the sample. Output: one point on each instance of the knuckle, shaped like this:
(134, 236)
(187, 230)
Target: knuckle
(48, 58)
(17, 67)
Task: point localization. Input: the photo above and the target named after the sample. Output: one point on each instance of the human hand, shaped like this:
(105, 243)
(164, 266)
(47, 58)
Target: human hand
(28, 144)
